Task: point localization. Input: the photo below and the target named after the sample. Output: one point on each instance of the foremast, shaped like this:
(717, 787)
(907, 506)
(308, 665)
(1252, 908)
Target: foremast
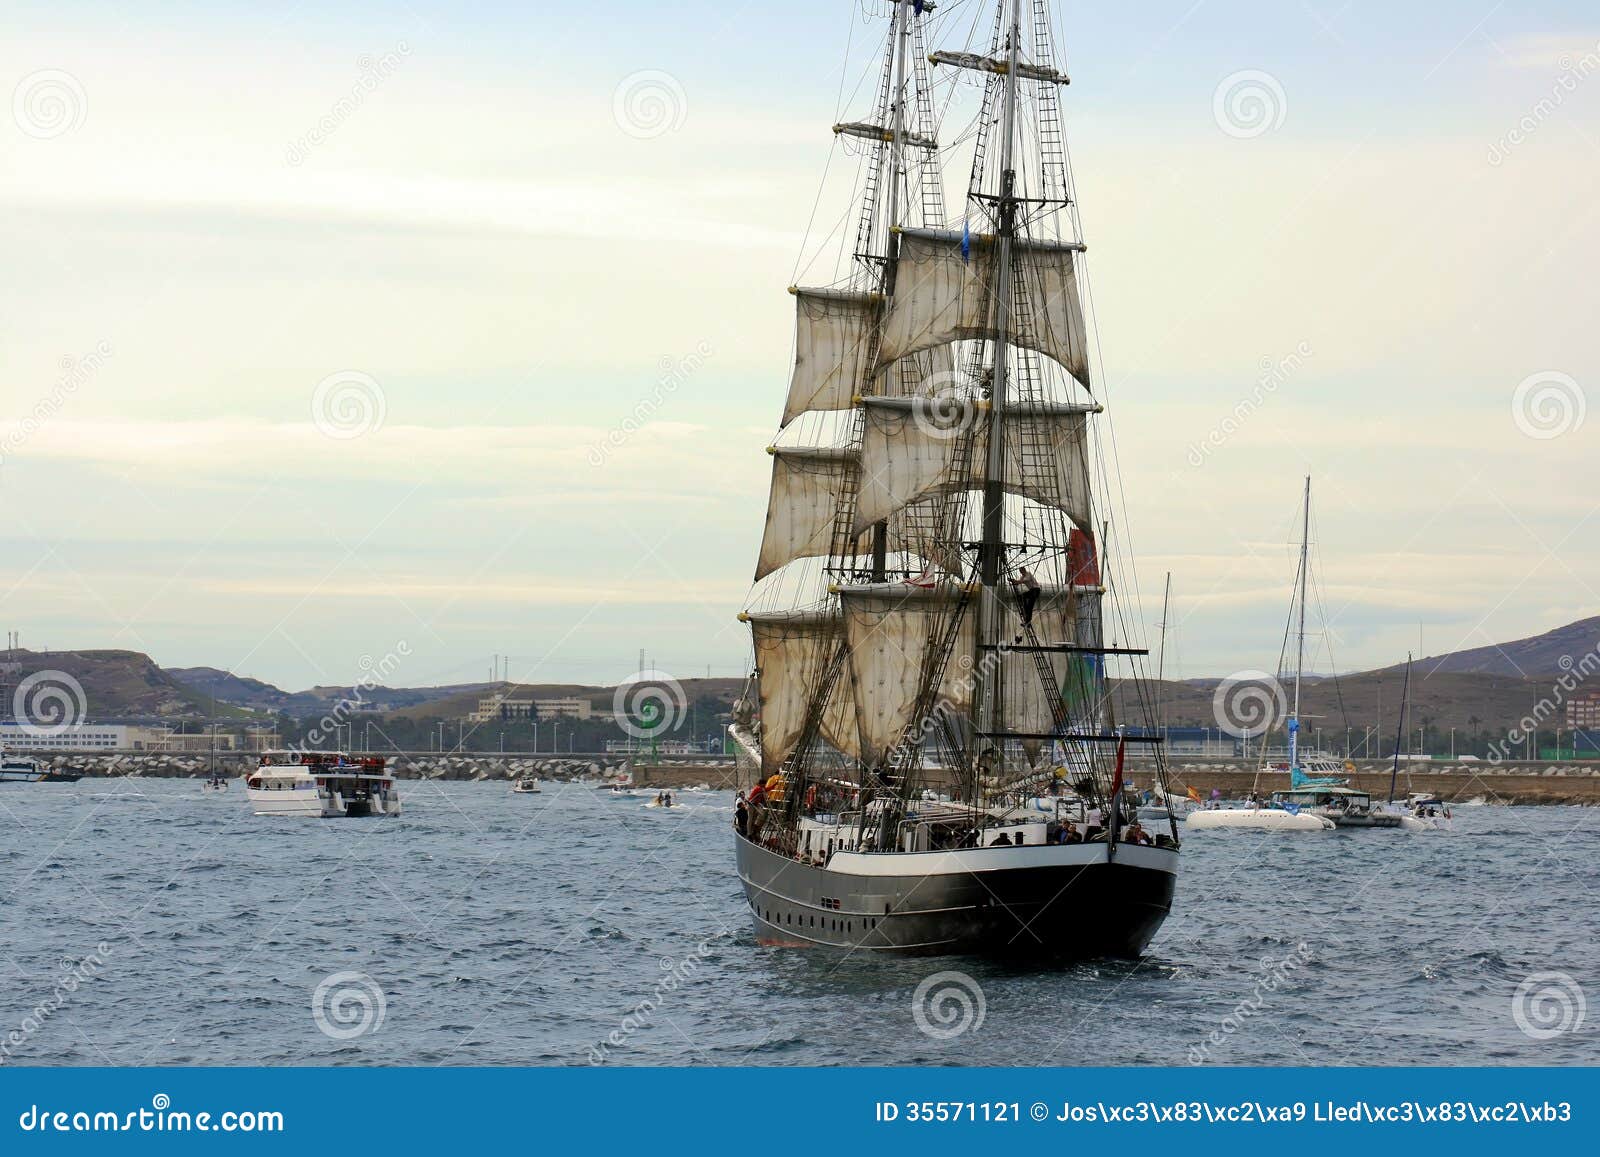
(927, 663)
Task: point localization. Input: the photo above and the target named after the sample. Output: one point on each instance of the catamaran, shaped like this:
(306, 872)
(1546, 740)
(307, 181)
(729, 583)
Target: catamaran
(938, 766)
(322, 784)
(1310, 802)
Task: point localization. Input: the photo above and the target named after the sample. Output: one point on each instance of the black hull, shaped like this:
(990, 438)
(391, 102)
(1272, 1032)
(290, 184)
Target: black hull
(1059, 902)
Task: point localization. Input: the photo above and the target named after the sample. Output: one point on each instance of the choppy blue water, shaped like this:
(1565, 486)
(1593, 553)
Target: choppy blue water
(568, 927)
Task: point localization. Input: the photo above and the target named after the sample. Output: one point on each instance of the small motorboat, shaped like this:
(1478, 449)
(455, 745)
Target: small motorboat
(664, 800)
(527, 785)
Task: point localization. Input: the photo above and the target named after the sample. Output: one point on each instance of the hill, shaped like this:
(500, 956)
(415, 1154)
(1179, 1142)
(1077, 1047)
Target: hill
(264, 697)
(1540, 657)
(115, 685)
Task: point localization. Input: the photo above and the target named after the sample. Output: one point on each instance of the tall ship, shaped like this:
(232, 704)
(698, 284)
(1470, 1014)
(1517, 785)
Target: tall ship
(941, 758)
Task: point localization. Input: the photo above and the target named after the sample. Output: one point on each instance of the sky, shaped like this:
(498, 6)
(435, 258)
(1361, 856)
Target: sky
(353, 329)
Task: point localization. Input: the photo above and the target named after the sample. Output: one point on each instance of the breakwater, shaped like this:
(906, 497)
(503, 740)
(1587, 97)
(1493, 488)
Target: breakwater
(1455, 781)
(405, 765)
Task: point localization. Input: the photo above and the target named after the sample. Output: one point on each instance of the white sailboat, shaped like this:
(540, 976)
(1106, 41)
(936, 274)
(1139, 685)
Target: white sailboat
(1310, 802)
(928, 625)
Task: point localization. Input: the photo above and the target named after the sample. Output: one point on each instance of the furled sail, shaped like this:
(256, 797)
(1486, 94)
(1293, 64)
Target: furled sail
(894, 631)
(793, 652)
(833, 333)
(912, 447)
(944, 288)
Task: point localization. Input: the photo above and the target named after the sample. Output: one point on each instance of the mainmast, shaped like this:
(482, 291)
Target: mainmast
(901, 36)
(1300, 653)
(991, 552)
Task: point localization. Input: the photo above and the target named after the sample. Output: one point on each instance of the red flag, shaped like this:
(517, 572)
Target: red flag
(1113, 821)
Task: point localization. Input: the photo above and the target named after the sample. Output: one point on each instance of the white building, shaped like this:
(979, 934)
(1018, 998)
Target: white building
(79, 737)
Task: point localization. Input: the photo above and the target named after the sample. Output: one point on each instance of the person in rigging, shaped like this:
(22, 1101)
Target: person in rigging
(1028, 587)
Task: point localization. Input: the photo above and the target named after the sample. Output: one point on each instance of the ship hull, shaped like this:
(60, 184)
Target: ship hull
(1071, 901)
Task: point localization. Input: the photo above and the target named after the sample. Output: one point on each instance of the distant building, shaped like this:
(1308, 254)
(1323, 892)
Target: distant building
(109, 737)
(79, 737)
(1583, 710)
(495, 708)
(573, 708)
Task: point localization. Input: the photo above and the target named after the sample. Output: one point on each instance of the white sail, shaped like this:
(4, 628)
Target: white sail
(793, 651)
(833, 332)
(807, 485)
(943, 291)
(910, 448)
(892, 631)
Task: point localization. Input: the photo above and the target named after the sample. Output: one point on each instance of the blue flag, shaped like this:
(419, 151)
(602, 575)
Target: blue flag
(966, 244)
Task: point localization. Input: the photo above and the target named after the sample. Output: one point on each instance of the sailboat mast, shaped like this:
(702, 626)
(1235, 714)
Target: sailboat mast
(901, 34)
(1161, 653)
(992, 550)
(1300, 654)
(1400, 729)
